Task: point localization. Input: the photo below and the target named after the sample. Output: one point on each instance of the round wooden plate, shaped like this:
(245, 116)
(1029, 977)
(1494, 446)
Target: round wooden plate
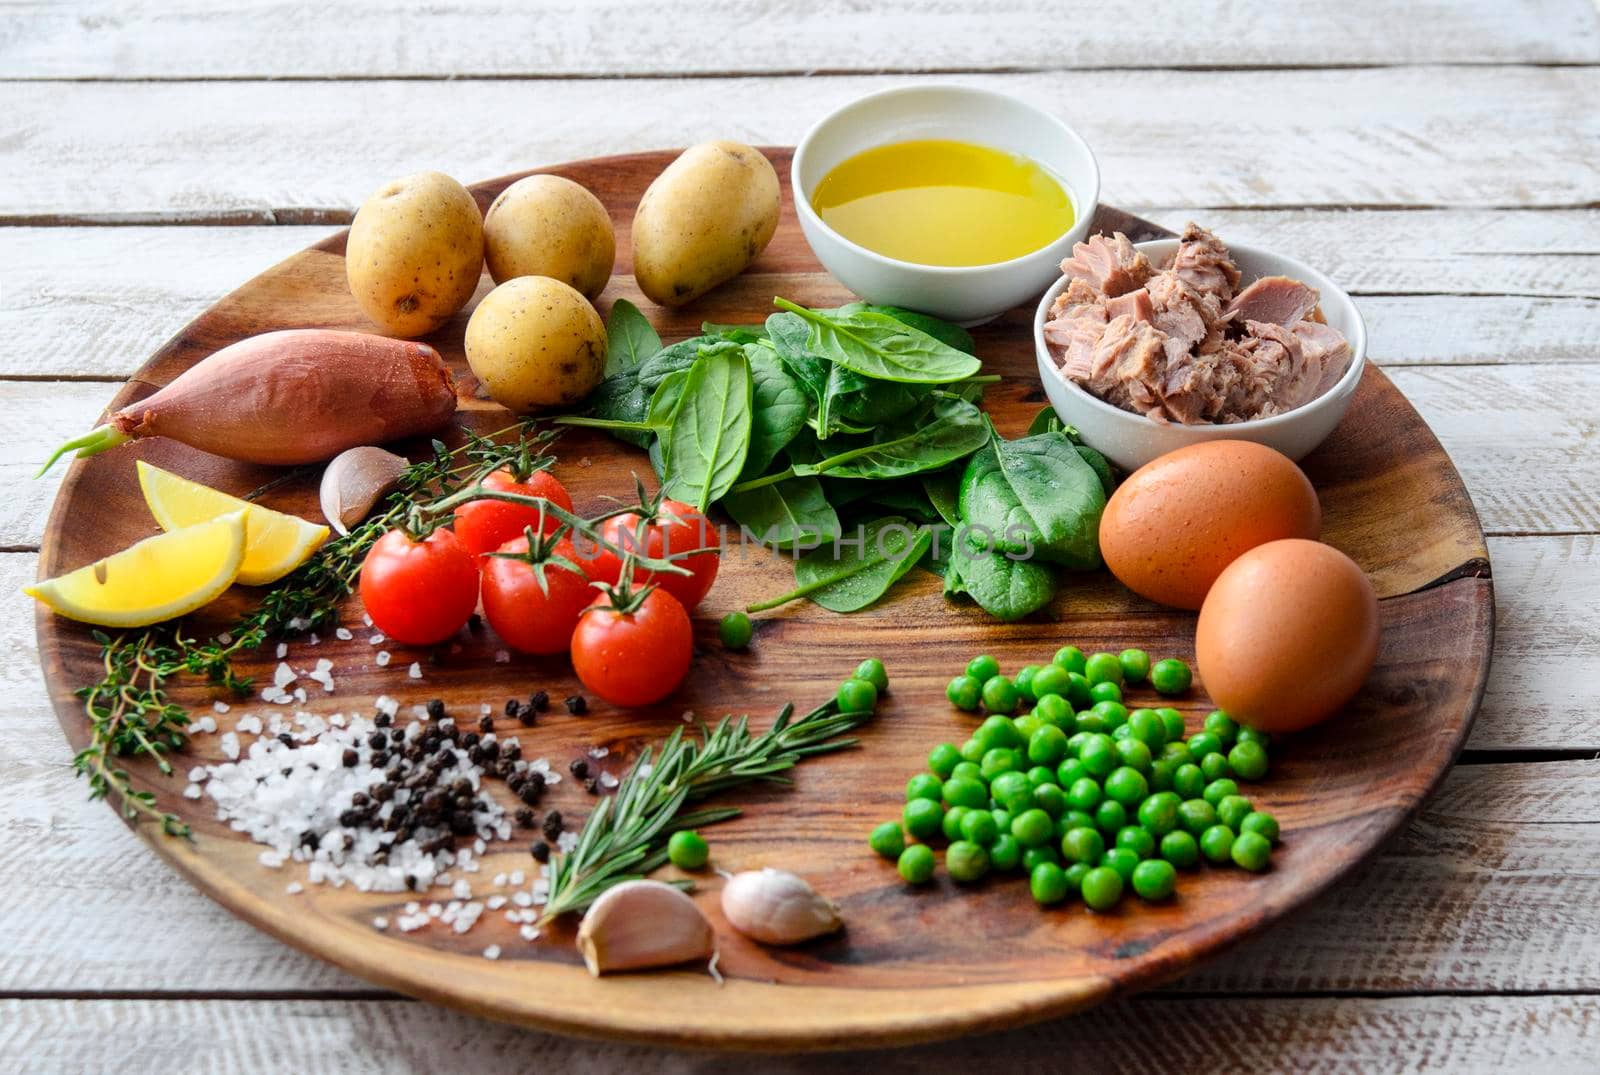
(913, 963)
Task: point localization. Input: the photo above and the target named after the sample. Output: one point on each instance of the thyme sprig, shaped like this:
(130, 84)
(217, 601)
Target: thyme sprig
(626, 835)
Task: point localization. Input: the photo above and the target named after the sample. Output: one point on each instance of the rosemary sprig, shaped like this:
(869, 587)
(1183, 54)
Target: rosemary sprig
(625, 837)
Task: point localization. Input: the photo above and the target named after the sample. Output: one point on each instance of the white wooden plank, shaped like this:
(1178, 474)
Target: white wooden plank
(371, 38)
(96, 301)
(1378, 136)
(1554, 1035)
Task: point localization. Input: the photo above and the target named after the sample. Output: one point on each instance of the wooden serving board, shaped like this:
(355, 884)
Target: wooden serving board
(912, 964)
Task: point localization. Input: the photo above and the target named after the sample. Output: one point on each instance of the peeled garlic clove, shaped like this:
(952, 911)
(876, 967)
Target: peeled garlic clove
(777, 907)
(640, 924)
(355, 481)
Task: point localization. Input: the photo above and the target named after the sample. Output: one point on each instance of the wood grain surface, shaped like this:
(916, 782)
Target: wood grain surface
(1391, 497)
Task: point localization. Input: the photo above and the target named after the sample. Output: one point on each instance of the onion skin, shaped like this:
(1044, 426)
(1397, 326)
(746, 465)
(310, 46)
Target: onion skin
(299, 396)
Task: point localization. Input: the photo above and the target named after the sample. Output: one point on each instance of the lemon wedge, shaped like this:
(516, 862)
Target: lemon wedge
(277, 544)
(156, 579)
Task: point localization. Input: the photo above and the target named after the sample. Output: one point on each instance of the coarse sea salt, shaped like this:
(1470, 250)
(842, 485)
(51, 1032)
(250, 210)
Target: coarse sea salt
(608, 781)
(492, 952)
(283, 650)
(221, 707)
(343, 634)
(415, 671)
(249, 724)
(376, 640)
(382, 659)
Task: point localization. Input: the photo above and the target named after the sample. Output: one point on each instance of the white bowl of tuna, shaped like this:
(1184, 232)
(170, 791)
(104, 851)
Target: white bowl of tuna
(1148, 347)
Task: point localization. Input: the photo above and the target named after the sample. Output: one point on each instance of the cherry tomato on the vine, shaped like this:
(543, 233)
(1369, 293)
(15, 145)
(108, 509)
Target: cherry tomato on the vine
(485, 525)
(633, 657)
(419, 592)
(530, 617)
(676, 528)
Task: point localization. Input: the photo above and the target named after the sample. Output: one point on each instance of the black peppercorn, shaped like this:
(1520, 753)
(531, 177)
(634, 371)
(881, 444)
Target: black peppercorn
(486, 723)
(539, 701)
(435, 708)
(377, 740)
(511, 750)
(592, 786)
(540, 851)
(350, 757)
(552, 825)
(526, 716)
(383, 720)
(525, 817)
(577, 705)
(579, 768)
(286, 739)
(470, 740)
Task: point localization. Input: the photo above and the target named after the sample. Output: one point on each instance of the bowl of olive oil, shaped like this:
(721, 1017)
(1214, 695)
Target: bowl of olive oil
(947, 199)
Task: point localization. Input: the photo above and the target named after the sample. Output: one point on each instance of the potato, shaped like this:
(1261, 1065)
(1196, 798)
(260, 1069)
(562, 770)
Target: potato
(536, 342)
(703, 220)
(545, 225)
(415, 253)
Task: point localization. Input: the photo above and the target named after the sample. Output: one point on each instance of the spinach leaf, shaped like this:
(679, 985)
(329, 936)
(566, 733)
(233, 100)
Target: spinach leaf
(794, 512)
(630, 339)
(705, 447)
(903, 498)
(944, 493)
(943, 331)
(1101, 467)
(1036, 496)
(675, 356)
(1006, 589)
(1046, 421)
(734, 333)
(864, 403)
(780, 408)
(881, 347)
(790, 335)
(620, 400)
(851, 573)
(952, 430)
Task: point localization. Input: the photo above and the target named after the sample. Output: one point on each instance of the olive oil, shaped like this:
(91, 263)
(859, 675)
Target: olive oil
(944, 203)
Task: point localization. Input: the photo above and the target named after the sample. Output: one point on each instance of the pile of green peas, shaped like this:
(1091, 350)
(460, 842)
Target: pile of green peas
(1079, 793)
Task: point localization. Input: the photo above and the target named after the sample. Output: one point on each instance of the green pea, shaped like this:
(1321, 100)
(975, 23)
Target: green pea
(958, 791)
(1250, 735)
(1032, 828)
(1076, 740)
(1000, 695)
(1137, 839)
(1099, 755)
(1262, 824)
(1048, 883)
(1032, 856)
(1071, 658)
(1012, 791)
(1250, 851)
(1092, 722)
(1076, 872)
(1002, 818)
(1232, 810)
(1215, 767)
(1154, 879)
(856, 696)
(966, 861)
(1027, 724)
(1051, 799)
(1218, 790)
(1170, 676)
(1181, 849)
(1127, 786)
(687, 849)
(1222, 726)
(1084, 794)
(873, 672)
(1105, 692)
(1121, 732)
(924, 786)
(887, 840)
(1110, 816)
(1083, 845)
(972, 750)
(1135, 665)
(950, 826)
(1103, 668)
(979, 827)
(1216, 843)
(1041, 774)
(1172, 721)
(1005, 854)
(1133, 754)
(1078, 695)
(966, 770)
(916, 864)
(943, 759)
(1188, 781)
(1203, 743)
(1159, 813)
(1051, 679)
(1196, 816)
(1114, 712)
(983, 668)
(1177, 752)
(1147, 726)
(735, 630)
(1122, 860)
(1161, 771)
(1047, 746)
(1000, 760)
(922, 818)
(964, 692)
(1024, 682)
(1073, 819)
(1054, 710)
(999, 731)
(1248, 760)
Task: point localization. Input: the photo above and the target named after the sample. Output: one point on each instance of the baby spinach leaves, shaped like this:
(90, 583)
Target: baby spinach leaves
(1036, 497)
(852, 572)
(876, 345)
(708, 434)
(630, 339)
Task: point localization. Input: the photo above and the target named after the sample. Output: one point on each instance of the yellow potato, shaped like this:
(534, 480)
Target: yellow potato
(535, 342)
(415, 253)
(703, 221)
(545, 225)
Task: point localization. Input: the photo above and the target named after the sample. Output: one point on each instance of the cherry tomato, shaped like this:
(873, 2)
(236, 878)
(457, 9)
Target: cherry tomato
(530, 618)
(419, 592)
(676, 528)
(485, 525)
(633, 658)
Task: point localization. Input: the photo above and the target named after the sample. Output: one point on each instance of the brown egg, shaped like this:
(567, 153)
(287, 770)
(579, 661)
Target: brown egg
(1287, 635)
(1171, 528)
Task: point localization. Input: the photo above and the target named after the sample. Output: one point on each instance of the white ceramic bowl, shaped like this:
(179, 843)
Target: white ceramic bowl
(968, 294)
(1131, 440)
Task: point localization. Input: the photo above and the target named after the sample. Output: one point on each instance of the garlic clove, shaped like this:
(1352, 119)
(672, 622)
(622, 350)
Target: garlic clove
(640, 924)
(355, 481)
(777, 907)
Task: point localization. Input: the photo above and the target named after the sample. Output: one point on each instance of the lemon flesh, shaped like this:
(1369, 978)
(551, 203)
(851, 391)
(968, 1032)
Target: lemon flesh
(276, 545)
(156, 579)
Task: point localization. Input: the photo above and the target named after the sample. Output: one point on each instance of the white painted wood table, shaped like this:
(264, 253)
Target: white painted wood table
(1441, 159)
